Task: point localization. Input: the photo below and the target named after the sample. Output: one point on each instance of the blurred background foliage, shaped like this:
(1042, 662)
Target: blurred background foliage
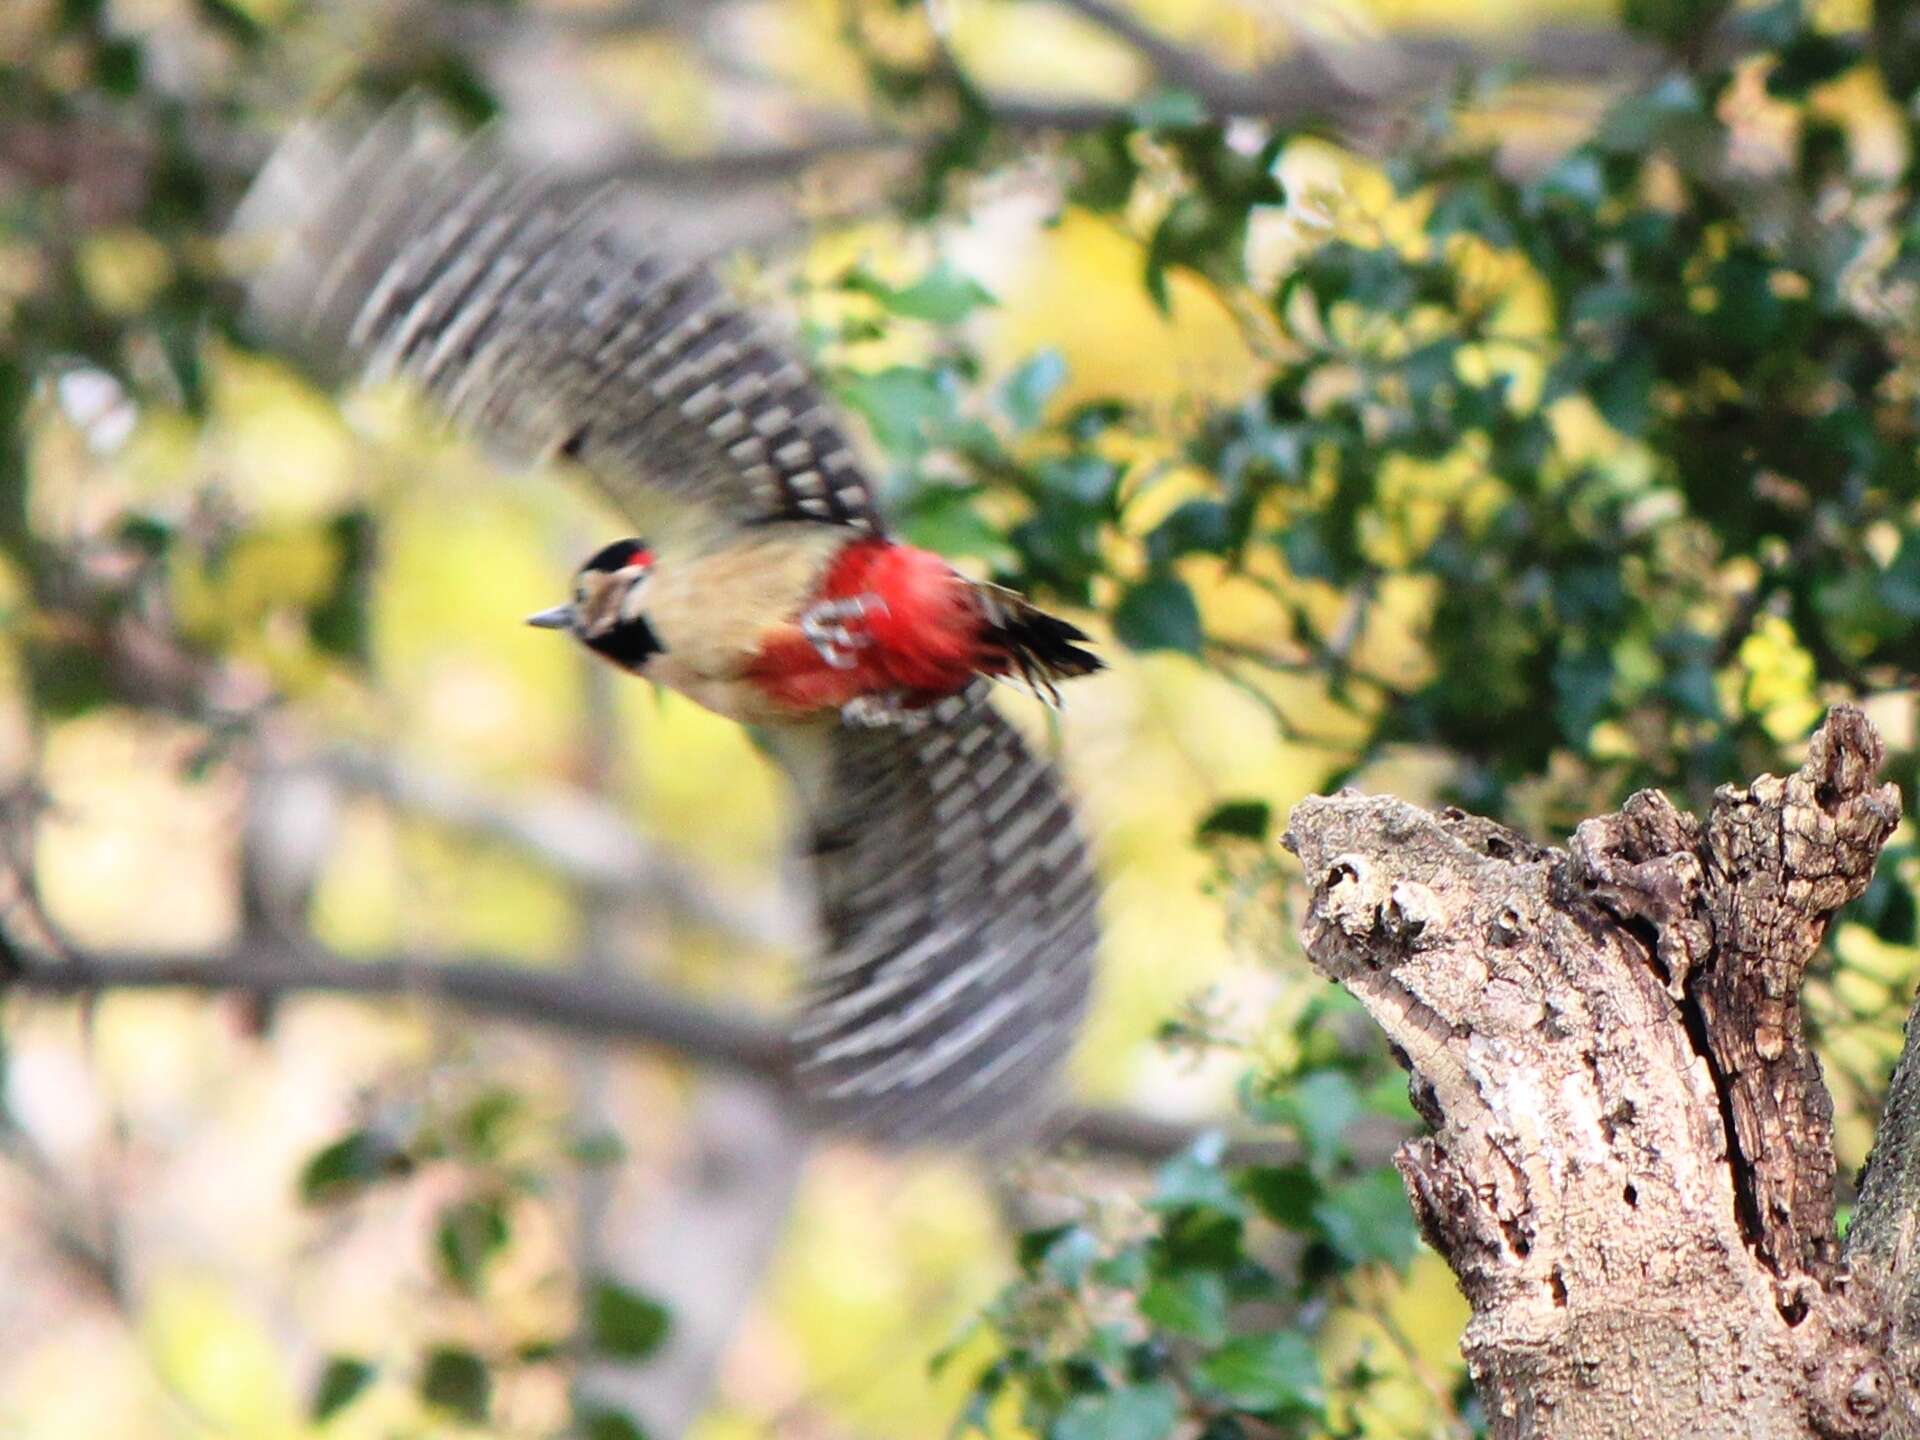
(1511, 407)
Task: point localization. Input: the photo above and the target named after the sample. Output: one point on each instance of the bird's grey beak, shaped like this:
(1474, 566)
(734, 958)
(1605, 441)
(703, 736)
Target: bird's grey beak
(560, 617)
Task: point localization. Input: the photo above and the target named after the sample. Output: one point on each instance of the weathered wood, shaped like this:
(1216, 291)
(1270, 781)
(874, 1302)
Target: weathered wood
(1631, 1167)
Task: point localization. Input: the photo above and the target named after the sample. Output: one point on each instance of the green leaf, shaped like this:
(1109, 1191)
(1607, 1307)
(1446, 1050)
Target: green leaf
(1159, 613)
(1368, 1219)
(1071, 1255)
(350, 1164)
(486, 1121)
(1139, 1412)
(470, 1233)
(341, 1381)
(941, 518)
(1024, 395)
(624, 1323)
(1192, 1303)
(598, 1149)
(1323, 1104)
(118, 65)
(1285, 1194)
(1238, 820)
(597, 1422)
(904, 405)
(1104, 167)
(457, 1380)
(1198, 526)
(1194, 1178)
(943, 296)
(1672, 22)
(1169, 110)
(1084, 479)
(1266, 1373)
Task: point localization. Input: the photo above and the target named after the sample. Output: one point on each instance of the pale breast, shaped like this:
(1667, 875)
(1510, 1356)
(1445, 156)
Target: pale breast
(712, 609)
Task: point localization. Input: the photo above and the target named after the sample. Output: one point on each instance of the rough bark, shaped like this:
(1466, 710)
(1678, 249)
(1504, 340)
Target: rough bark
(1631, 1166)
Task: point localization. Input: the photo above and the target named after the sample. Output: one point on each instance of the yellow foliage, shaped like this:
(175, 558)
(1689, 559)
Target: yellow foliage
(132, 854)
(277, 445)
(123, 269)
(1779, 680)
(1079, 292)
(659, 77)
(1015, 45)
(220, 1360)
(862, 1328)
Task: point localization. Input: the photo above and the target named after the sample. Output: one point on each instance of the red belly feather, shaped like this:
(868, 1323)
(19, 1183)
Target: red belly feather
(925, 641)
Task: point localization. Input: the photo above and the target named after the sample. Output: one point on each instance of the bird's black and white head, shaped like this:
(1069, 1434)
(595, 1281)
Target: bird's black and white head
(608, 611)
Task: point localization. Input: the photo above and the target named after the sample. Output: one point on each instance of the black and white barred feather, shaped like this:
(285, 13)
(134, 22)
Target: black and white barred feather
(956, 893)
(399, 247)
(960, 912)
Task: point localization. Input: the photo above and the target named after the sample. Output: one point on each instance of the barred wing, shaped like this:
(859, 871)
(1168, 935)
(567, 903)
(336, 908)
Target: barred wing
(959, 906)
(400, 248)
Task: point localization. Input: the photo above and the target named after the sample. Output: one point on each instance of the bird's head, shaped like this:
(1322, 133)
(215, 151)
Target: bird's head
(608, 611)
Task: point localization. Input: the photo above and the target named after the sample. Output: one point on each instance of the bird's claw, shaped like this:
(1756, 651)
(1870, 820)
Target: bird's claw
(828, 626)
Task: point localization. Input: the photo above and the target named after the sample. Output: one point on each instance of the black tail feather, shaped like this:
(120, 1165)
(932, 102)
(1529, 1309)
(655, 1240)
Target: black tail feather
(1040, 649)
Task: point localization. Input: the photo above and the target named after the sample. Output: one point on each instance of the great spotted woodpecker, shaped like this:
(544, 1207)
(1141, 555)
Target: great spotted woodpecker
(956, 895)
(785, 622)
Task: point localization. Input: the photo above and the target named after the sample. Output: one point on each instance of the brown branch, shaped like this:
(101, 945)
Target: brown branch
(626, 1011)
(581, 838)
(1739, 910)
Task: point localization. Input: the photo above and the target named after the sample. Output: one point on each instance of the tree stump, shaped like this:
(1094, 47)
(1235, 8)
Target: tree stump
(1631, 1165)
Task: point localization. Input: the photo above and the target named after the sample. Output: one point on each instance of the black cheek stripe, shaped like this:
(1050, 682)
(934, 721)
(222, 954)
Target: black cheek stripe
(630, 643)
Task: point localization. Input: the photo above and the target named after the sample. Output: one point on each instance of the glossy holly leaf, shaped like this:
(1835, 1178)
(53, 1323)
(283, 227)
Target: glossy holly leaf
(1070, 1255)
(943, 518)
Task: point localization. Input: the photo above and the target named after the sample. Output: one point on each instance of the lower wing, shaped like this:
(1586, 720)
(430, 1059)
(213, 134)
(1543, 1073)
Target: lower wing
(959, 906)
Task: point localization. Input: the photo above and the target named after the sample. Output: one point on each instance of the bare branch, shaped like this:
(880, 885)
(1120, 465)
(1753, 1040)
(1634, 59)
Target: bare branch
(626, 1011)
(581, 838)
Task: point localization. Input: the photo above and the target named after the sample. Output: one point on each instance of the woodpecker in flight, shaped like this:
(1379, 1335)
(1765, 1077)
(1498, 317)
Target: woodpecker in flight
(956, 896)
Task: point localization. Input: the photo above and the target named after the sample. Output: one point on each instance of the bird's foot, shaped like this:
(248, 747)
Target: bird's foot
(830, 625)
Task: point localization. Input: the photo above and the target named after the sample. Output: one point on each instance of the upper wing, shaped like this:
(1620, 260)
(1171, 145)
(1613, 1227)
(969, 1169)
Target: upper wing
(960, 911)
(401, 248)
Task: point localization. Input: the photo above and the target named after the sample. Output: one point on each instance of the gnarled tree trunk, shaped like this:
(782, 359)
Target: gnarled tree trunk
(1631, 1164)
